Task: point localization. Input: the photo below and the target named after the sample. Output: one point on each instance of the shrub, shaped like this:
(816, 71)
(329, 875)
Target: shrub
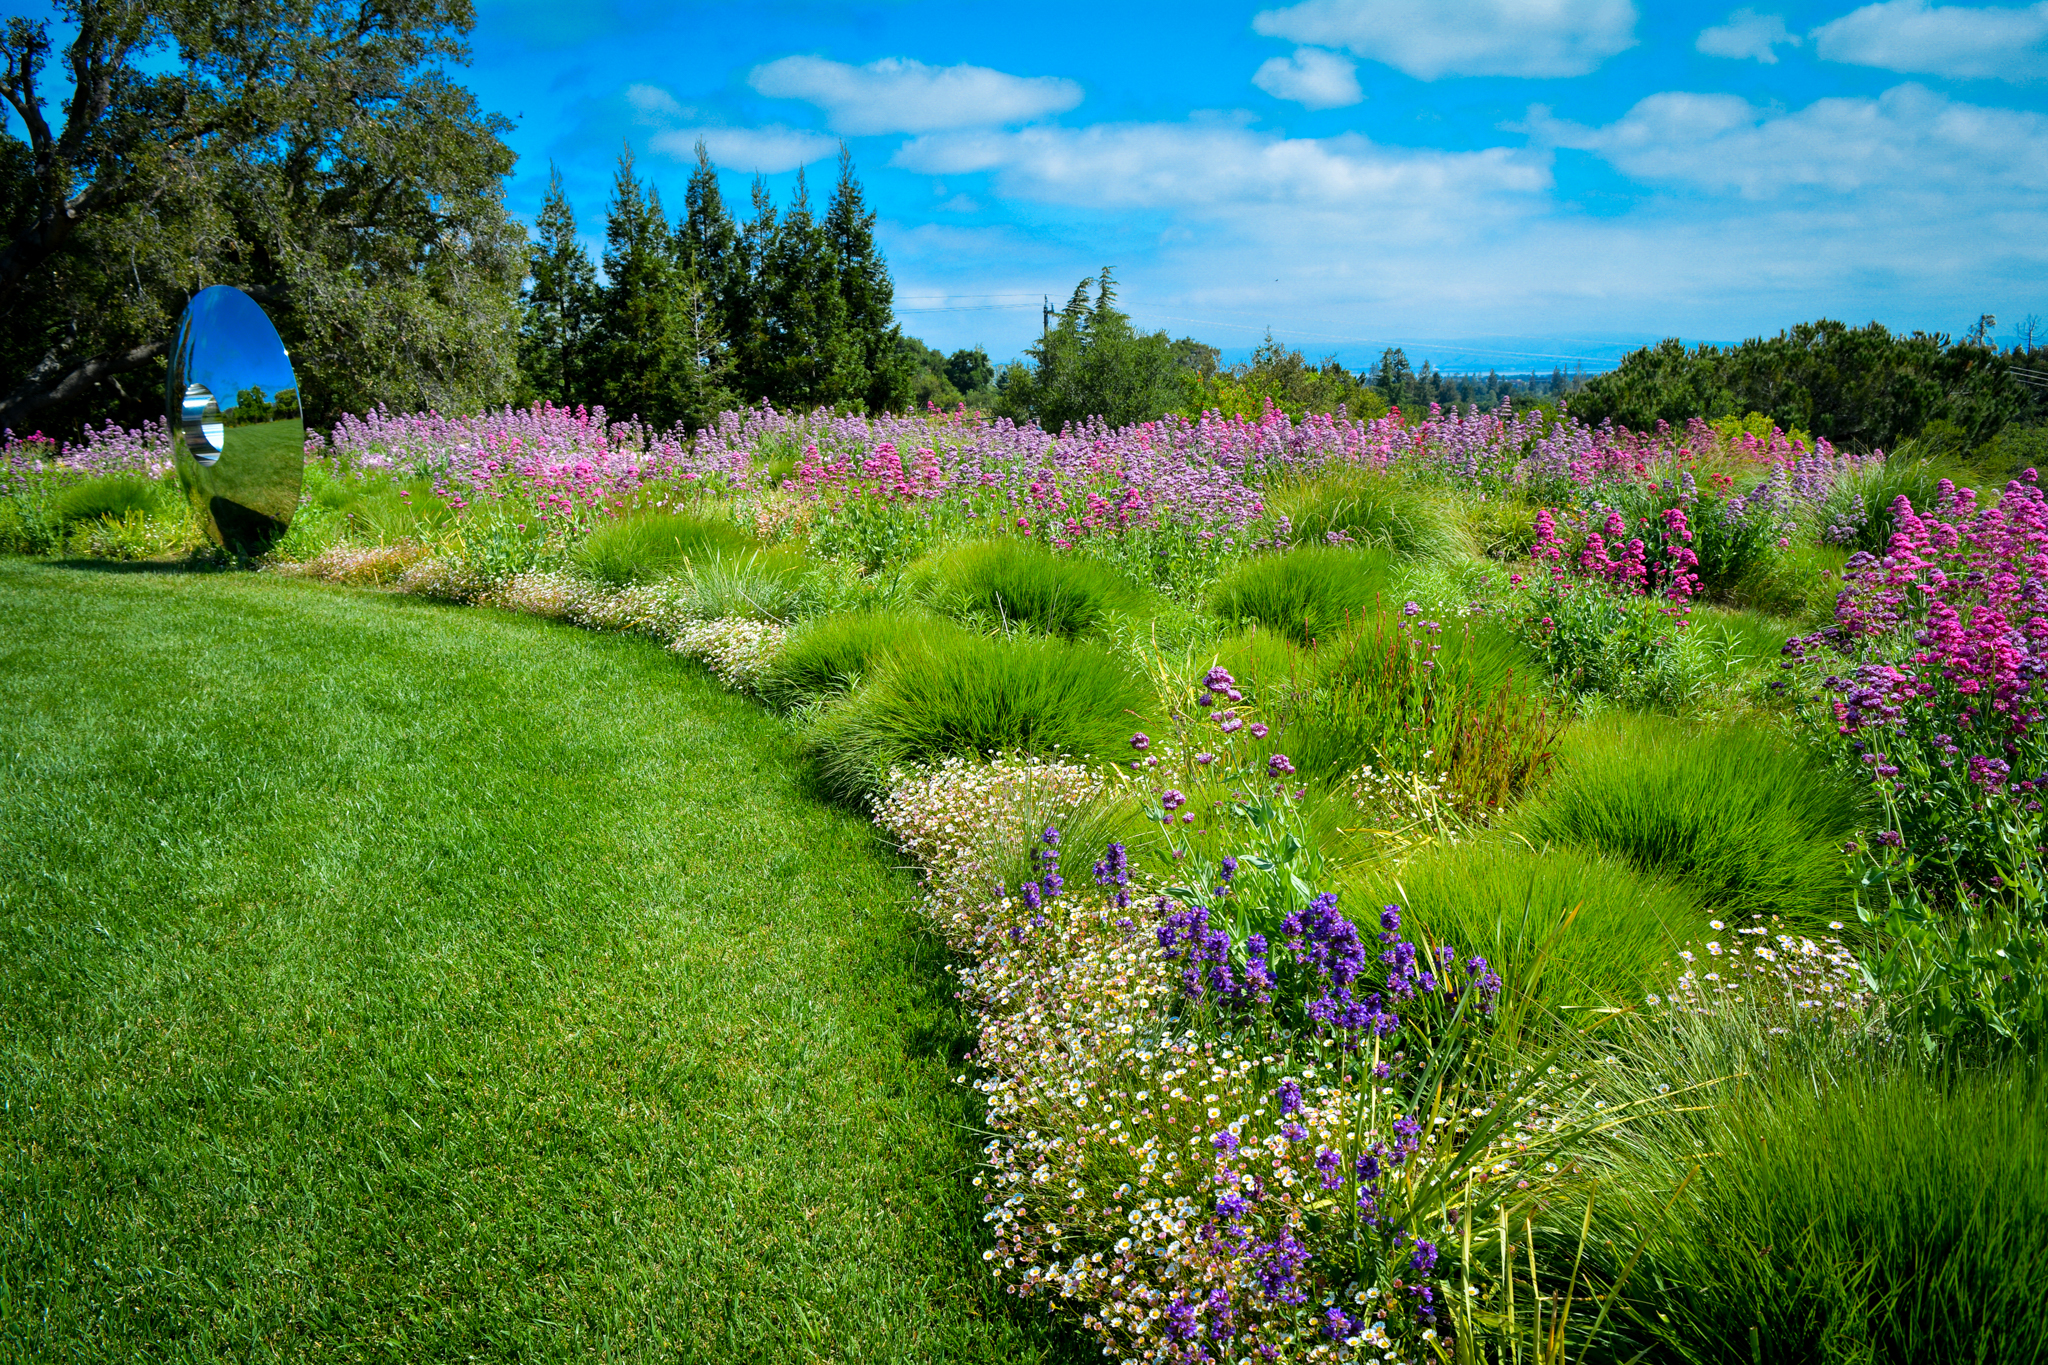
(113, 498)
(970, 696)
(1012, 580)
(1565, 928)
(1307, 594)
(645, 547)
(1364, 508)
(1899, 1217)
(831, 654)
(1748, 824)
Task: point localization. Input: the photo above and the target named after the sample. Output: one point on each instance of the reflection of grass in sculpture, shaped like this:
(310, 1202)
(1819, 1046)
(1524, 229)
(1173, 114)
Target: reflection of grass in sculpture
(382, 974)
(269, 443)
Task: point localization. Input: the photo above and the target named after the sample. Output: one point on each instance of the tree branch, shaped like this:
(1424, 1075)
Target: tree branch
(44, 386)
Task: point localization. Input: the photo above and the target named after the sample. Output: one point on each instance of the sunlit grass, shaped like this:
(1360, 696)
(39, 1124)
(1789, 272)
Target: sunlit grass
(388, 981)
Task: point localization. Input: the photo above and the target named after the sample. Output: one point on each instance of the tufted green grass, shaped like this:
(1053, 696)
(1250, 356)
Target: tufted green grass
(385, 981)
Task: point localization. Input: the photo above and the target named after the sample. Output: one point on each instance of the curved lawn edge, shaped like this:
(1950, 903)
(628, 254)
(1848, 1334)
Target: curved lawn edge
(384, 979)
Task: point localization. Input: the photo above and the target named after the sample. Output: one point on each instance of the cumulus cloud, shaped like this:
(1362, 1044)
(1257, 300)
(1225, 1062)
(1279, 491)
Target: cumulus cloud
(1223, 169)
(899, 95)
(1940, 40)
(1747, 34)
(1312, 78)
(768, 150)
(1432, 38)
(1907, 143)
(652, 104)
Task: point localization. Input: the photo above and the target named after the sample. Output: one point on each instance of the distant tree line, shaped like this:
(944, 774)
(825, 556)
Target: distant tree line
(711, 312)
(1860, 387)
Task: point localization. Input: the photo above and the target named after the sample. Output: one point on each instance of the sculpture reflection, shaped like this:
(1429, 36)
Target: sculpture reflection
(243, 463)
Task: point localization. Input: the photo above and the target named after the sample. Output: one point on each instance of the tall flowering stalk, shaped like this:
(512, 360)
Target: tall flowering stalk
(1930, 682)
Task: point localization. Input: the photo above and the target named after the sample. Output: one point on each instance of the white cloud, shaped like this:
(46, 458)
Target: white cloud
(1220, 168)
(1940, 40)
(1747, 34)
(770, 149)
(1908, 143)
(652, 104)
(1432, 38)
(1312, 78)
(899, 95)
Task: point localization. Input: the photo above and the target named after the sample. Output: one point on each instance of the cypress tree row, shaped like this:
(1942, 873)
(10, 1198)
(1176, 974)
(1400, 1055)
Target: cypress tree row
(689, 320)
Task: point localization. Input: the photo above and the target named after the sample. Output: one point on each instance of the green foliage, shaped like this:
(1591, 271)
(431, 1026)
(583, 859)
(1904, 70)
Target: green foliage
(1372, 510)
(390, 513)
(1630, 650)
(501, 908)
(833, 654)
(1094, 364)
(1565, 928)
(773, 584)
(561, 297)
(1278, 376)
(1860, 387)
(1010, 581)
(1864, 501)
(972, 695)
(1876, 1215)
(320, 158)
(647, 546)
(114, 496)
(655, 351)
(1411, 697)
(1749, 824)
(2011, 453)
(1799, 583)
(1310, 593)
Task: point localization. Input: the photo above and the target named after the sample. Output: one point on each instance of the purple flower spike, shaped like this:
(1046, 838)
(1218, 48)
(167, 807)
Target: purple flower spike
(1141, 741)
(1258, 730)
(1278, 766)
(1172, 799)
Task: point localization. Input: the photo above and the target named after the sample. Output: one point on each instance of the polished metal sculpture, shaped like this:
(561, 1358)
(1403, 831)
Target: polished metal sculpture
(236, 427)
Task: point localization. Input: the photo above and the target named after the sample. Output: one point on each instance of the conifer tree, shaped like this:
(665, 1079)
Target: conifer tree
(711, 247)
(874, 372)
(659, 352)
(808, 353)
(749, 334)
(561, 301)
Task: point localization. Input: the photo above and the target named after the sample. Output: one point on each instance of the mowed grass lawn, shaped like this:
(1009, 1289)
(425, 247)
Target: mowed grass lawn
(383, 981)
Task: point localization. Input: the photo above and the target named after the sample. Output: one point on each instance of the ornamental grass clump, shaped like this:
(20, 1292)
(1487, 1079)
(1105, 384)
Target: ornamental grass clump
(830, 655)
(113, 497)
(1567, 929)
(1404, 692)
(1370, 509)
(1308, 594)
(643, 547)
(1855, 1211)
(971, 696)
(1743, 820)
(1010, 582)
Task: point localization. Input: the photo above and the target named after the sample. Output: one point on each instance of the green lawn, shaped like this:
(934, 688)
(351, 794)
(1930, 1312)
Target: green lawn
(394, 982)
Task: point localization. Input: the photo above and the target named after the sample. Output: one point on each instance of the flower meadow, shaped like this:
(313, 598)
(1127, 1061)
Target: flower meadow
(1336, 828)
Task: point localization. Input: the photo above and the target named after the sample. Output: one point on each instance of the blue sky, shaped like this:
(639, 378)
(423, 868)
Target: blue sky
(1508, 182)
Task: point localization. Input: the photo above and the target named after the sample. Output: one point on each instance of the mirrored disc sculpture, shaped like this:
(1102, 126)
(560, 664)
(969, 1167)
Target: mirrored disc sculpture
(236, 427)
